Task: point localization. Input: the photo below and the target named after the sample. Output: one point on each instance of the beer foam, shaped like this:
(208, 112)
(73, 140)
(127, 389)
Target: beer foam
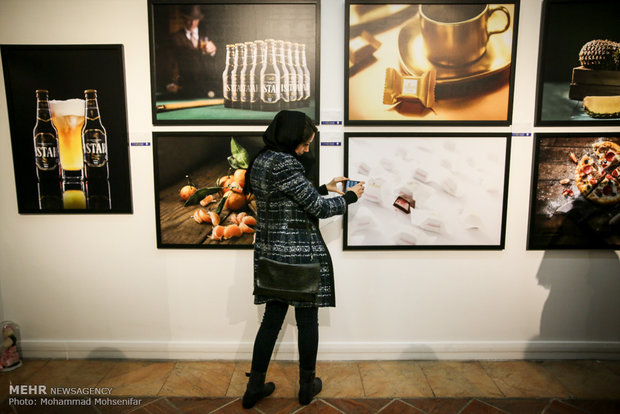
(67, 107)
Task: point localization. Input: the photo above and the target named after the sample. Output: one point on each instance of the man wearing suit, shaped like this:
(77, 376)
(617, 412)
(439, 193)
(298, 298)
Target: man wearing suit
(191, 65)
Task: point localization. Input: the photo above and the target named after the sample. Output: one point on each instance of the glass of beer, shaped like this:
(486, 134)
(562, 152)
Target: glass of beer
(68, 118)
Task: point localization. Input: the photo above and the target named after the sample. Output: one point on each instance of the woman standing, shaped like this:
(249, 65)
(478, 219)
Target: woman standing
(290, 222)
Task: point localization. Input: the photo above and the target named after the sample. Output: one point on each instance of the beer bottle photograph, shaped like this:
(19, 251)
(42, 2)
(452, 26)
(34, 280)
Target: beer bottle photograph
(94, 140)
(45, 141)
(98, 194)
(292, 74)
(304, 67)
(270, 80)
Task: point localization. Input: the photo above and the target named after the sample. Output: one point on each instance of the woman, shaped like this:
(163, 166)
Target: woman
(290, 224)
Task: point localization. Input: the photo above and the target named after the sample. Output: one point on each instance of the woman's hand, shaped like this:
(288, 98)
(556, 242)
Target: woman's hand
(333, 184)
(358, 189)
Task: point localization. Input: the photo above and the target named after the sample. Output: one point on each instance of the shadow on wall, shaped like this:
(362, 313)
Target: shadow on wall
(584, 287)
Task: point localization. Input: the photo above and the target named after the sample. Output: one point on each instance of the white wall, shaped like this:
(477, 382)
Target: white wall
(124, 297)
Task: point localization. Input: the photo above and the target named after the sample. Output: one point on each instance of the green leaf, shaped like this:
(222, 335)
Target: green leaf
(220, 206)
(239, 157)
(200, 194)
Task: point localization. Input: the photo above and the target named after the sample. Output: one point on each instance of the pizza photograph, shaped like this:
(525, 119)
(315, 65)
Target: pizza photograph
(575, 202)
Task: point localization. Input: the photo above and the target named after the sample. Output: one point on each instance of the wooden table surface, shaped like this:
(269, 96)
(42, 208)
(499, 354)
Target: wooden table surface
(178, 228)
(547, 224)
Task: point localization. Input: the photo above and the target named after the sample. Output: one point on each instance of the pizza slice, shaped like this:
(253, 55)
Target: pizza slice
(608, 153)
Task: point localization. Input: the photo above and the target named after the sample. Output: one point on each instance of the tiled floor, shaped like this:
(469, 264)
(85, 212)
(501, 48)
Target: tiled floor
(467, 387)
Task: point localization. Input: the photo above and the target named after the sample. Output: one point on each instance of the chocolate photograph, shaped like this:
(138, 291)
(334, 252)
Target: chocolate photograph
(427, 191)
(579, 69)
(199, 181)
(575, 201)
(439, 63)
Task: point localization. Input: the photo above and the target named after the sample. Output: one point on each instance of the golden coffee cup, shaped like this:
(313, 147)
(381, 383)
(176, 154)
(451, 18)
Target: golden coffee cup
(457, 34)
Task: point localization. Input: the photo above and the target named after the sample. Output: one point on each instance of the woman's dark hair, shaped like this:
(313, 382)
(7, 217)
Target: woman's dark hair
(287, 130)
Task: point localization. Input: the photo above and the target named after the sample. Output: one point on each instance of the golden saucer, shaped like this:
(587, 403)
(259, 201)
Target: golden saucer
(413, 60)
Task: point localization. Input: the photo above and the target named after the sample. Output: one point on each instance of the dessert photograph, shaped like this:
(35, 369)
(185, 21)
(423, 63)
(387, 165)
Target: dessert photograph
(575, 202)
(429, 63)
(427, 191)
(579, 68)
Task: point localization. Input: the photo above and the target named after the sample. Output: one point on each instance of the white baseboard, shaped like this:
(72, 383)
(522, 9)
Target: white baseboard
(330, 351)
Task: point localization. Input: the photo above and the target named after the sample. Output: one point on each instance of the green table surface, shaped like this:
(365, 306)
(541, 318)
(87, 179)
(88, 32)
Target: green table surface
(556, 105)
(221, 113)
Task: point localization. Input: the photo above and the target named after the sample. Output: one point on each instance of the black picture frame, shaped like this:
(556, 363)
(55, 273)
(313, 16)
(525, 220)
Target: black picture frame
(560, 217)
(427, 191)
(562, 81)
(382, 37)
(66, 71)
(204, 157)
(180, 75)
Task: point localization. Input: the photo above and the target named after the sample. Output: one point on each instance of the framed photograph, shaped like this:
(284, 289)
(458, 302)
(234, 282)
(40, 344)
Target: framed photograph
(429, 63)
(199, 178)
(220, 62)
(427, 191)
(575, 200)
(579, 64)
(68, 123)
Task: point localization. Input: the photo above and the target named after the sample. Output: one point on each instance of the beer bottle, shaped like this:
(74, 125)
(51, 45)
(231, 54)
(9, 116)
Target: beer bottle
(98, 195)
(45, 141)
(230, 52)
(304, 67)
(270, 80)
(300, 74)
(284, 76)
(257, 53)
(292, 74)
(244, 77)
(234, 76)
(94, 140)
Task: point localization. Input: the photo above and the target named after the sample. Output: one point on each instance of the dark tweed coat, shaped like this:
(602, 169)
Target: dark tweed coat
(294, 203)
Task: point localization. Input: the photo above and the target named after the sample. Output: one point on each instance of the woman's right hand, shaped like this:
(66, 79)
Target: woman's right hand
(358, 189)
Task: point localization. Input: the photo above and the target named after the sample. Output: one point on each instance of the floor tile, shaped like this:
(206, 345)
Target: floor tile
(585, 379)
(400, 407)
(438, 405)
(199, 379)
(459, 379)
(358, 405)
(523, 379)
(159, 406)
(519, 406)
(137, 378)
(272, 405)
(123, 409)
(20, 375)
(318, 407)
(193, 405)
(394, 379)
(340, 379)
(70, 373)
(597, 406)
(479, 407)
(559, 407)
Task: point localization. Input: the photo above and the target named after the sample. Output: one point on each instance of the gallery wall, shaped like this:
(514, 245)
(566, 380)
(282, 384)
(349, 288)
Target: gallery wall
(97, 286)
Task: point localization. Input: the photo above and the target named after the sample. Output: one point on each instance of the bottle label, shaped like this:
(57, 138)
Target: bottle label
(270, 88)
(95, 148)
(45, 151)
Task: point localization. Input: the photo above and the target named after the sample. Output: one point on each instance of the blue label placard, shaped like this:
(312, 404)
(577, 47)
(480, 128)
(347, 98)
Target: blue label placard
(331, 122)
(521, 134)
(140, 144)
(331, 144)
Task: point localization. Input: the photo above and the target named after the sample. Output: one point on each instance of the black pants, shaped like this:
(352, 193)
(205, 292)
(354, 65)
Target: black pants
(307, 335)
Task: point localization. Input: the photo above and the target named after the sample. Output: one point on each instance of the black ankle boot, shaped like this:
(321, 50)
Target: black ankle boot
(309, 386)
(256, 389)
